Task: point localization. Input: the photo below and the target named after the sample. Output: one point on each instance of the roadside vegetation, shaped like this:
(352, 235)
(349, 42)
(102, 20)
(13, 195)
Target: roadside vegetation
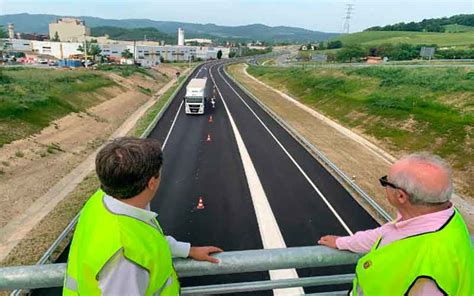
(407, 109)
(146, 119)
(124, 70)
(31, 98)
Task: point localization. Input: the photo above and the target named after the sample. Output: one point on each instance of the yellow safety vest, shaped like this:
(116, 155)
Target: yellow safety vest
(100, 234)
(445, 256)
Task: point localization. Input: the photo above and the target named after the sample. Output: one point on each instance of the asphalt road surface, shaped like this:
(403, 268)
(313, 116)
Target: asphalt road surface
(260, 188)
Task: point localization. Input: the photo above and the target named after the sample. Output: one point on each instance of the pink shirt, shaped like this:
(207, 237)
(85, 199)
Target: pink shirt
(362, 241)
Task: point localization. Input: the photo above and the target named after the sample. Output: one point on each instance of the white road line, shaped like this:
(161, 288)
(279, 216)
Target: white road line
(268, 227)
(176, 117)
(172, 125)
(291, 158)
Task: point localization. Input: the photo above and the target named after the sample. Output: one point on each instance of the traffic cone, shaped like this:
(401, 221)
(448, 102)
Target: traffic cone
(210, 119)
(208, 138)
(200, 205)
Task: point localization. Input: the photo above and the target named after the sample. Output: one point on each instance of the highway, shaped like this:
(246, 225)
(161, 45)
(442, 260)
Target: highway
(259, 186)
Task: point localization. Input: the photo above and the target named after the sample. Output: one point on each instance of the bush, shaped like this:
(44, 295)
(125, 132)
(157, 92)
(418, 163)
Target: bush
(334, 44)
(351, 53)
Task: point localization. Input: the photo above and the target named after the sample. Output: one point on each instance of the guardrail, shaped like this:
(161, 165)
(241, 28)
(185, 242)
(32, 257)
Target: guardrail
(52, 275)
(315, 152)
(46, 258)
(47, 255)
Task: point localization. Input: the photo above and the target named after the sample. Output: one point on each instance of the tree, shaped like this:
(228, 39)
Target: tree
(232, 54)
(219, 54)
(334, 44)
(56, 36)
(350, 53)
(93, 49)
(126, 54)
(3, 34)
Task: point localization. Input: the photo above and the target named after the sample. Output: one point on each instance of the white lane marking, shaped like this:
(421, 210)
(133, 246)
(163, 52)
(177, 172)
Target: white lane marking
(291, 158)
(176, 117)
(195, 76)
(268, 227)
(172, 125)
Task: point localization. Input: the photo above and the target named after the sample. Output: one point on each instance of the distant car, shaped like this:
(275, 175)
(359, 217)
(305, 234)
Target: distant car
(42, 62)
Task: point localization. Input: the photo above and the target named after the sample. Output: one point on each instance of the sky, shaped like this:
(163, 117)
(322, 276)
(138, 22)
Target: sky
(318, 15)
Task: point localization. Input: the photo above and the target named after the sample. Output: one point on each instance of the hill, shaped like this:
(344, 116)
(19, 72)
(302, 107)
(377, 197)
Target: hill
(464, 39)
(429, 25)
(116, 33)
(38, 23)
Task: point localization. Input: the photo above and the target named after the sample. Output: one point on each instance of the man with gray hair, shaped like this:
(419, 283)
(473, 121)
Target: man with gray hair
(427, 249)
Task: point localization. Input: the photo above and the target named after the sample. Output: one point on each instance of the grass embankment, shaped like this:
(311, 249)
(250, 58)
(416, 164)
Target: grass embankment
(463, 39)
(415, 109)
(31, 98)
(124, 70)
(146, 119)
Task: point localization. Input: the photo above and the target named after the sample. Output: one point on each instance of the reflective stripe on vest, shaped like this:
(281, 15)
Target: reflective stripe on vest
(70, 283)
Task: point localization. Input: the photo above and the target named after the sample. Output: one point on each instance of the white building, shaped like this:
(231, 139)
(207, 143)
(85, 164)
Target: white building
(69, 29)
(201, 41)
(143, 53)
(206, 53)
(180, 37)
(17, 44)
(60, 50)
(114, 51)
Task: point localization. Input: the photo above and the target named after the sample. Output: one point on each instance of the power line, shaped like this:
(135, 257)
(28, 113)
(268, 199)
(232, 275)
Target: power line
(347, 18)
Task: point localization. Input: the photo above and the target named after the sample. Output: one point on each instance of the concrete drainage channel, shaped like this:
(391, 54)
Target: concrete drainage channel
(46, 258)
(382, 215)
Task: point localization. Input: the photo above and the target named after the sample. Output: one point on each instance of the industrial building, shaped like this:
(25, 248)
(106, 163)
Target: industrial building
(73, 33)
(69, 30)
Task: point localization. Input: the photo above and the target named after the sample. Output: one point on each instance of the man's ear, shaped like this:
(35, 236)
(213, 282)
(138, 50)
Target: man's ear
(153, 182)
(402, 196)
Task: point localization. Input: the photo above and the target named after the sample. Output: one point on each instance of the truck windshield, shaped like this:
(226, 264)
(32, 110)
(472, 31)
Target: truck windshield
(194, 99)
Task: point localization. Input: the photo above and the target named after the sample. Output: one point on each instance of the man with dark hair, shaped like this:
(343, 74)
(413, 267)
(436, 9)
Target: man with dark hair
(118, 247)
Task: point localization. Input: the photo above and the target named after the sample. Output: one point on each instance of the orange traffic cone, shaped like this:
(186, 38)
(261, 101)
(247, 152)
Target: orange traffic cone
(200, 205)
(208, 138)
(210, 119)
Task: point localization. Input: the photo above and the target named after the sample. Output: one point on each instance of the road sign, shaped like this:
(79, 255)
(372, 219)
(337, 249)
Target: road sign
(427, 52)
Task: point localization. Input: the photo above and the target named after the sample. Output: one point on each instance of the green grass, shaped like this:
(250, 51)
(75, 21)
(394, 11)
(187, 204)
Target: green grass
(145, 121)
(409, 109)
(31, 98)
(379, 37)
(124, 70)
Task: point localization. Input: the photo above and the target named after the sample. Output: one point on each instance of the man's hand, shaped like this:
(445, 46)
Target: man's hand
(202, 253)
(328, 241)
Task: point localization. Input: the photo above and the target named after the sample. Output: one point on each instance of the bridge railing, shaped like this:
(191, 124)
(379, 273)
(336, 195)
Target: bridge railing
(52, 275)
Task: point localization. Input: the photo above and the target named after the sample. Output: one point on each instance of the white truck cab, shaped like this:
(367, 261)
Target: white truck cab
(196, 96)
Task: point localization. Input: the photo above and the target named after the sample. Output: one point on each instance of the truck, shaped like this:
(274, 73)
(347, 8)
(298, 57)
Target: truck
(197, 93)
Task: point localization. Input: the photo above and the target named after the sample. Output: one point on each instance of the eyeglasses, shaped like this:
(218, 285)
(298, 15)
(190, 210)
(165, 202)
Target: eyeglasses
(384, 182)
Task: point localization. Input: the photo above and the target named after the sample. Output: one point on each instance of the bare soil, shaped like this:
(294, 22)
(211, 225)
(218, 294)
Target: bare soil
(34, 165)
(358, 155)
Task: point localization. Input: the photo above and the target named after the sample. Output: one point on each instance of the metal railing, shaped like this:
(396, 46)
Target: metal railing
(52, 275)
(46, 258)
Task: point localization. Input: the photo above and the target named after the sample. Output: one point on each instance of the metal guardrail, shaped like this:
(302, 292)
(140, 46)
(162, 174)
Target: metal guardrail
(52, 275)
(46, 258)
(47, 255)
(314, 151)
